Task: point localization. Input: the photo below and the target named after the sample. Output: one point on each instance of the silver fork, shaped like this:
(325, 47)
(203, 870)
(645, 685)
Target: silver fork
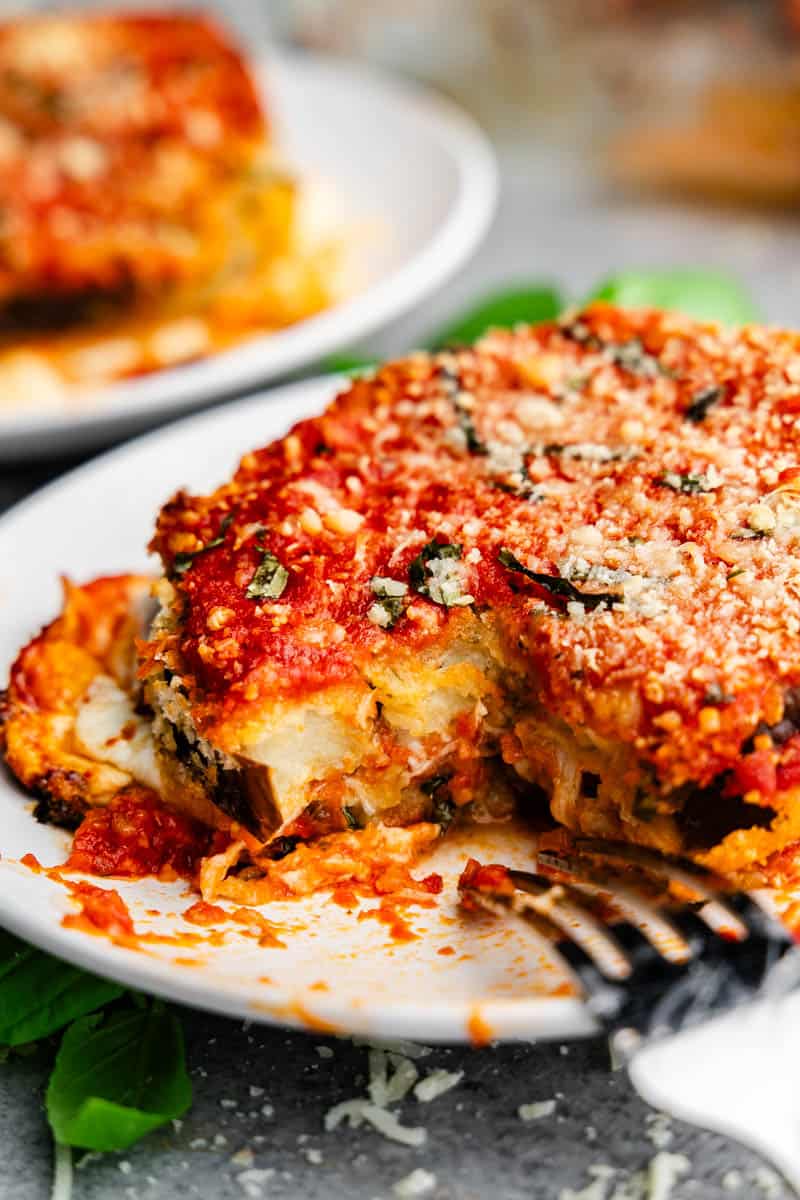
(659, 947)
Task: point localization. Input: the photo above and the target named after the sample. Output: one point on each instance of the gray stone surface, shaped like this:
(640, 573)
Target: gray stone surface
(477, 1147)
(552, 223)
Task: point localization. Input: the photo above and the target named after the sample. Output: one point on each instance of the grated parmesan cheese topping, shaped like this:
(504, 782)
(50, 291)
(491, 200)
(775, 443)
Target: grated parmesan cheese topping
(604, 471)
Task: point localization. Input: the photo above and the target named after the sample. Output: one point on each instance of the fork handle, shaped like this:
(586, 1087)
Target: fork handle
(738, 1074)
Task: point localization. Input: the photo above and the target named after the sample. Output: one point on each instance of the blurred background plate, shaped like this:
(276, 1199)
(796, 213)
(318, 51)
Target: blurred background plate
(415, 183)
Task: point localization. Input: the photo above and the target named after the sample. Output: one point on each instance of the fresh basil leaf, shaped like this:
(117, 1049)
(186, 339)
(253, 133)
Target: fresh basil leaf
(40, 994)
(706, 295)
(348, 364)
(117, 1077)
(270, 579)
(501, 310)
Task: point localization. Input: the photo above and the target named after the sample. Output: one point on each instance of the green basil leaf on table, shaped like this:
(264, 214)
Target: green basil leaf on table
(40, 994)
(705, 295)
(117, 1077)
(348, 364)
(501, 310)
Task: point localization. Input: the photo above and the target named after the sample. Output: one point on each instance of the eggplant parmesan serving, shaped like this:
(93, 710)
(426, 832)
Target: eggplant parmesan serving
(145, 219)
(557, 570)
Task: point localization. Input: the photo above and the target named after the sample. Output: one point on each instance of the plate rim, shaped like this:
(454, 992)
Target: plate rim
(507, 1018)
(119, 407)
(538, 1018)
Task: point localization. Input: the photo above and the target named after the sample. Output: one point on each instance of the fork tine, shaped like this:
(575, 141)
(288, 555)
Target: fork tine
(705, 884)
(715, 912)
(662, 933)
(561, 916)
(661, 988)
(566, 908)
(503, 904)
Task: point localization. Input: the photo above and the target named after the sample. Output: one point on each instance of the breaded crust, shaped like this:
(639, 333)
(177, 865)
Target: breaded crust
(94, 636)
(623, 489)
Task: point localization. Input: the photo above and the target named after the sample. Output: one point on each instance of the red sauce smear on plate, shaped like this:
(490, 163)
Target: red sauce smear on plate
(203, 913)
(479, 1030)
(102, 910)
(387, 913)
(136, 835)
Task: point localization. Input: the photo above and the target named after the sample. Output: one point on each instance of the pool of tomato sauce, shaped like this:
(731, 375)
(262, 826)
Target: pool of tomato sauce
(136, 837)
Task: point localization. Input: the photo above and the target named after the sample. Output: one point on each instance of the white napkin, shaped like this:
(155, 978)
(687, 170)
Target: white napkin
(738, 1074)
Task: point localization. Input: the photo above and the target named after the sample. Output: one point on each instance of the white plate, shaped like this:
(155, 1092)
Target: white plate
(402, 163)
(97, 521)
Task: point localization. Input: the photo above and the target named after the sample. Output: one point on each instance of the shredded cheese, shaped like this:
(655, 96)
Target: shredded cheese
(537, 1110)
(418, 1183)
(436, 1083)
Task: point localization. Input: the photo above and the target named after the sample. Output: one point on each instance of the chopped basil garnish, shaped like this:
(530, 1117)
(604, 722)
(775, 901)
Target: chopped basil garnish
(443, 811)
(645, 805)
(280, 847)
(630, 355)
(351, 818)
(430, 786)
(463, 415)
(434, 574)
(588, 451)
(716, 696)
(702, 401)
(578, 331)
(555, 585)
(633, 357)
(467, 427)
(270, 579)
(443, 808)
(524, 490)
(689, 485)
(749, 535)
(181, 562)
(513, 477)
(390, 603)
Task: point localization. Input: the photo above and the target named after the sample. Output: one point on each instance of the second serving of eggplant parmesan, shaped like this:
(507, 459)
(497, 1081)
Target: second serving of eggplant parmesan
(145, 217)
(561, 567)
